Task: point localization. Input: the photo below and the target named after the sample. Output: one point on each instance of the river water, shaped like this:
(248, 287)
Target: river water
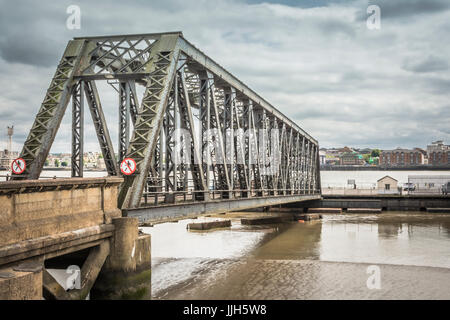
(328, 259)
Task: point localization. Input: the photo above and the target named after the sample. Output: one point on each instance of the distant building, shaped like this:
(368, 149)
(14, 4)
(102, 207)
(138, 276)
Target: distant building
(351, 159)
(365, 151)
(322, 156)
(437, 146)
(330, 160)
(402, 157)
(6, 157)
(345, 150)
(387, 184)
(101, 163)
(439, 158)
(438, 153)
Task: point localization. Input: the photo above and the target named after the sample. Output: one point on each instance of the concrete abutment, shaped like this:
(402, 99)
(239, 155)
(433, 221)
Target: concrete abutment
(126, 273)
(59, 223)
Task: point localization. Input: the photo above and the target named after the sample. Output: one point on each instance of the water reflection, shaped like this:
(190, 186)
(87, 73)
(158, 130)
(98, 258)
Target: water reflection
(317, 259)
(293, 241)
(391, 238)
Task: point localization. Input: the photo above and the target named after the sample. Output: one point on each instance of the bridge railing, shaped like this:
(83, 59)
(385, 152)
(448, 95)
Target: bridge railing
(159, 197)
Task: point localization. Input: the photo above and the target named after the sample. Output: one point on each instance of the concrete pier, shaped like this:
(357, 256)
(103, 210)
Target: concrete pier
(364, 210)
(127, 271)
(20, 285)
(209, 225)
(307, 217)
(438, 210)
(325, 210)
(263, 220)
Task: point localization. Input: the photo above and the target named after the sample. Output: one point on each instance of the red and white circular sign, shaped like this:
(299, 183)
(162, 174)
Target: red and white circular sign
(18, 166)
(128, 166)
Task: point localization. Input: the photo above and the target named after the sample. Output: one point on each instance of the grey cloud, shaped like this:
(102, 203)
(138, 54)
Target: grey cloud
(342, 83)
(404, 8)
(429, 64)
(438, 86)
(34, 51)
(301, 3)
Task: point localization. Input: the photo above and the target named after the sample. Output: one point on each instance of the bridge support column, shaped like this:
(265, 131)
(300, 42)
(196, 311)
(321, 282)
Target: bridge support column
(127, 271)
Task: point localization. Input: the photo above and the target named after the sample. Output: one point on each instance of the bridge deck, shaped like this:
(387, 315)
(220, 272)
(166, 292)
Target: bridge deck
(191, 209)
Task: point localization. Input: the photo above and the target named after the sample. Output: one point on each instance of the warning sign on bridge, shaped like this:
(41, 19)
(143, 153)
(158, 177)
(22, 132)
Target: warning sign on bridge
(128, 166)
(18, 166)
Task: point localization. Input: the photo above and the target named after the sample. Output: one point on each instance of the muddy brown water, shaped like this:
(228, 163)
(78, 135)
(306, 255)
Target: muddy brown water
(328, 259)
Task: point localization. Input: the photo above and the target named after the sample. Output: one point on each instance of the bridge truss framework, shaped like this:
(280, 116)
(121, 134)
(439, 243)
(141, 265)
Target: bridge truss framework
(183, 90)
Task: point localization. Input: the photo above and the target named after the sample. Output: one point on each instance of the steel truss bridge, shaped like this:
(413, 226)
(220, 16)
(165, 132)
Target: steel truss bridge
(273, 162)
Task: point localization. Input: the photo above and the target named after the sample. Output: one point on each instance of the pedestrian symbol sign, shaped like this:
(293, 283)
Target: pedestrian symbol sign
(128, 166)
(18, 166)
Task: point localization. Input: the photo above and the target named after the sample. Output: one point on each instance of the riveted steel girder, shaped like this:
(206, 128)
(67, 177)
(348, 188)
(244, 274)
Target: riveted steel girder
(47, 121)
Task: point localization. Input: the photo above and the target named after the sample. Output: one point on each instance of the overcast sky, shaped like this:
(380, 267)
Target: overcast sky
(315, 60)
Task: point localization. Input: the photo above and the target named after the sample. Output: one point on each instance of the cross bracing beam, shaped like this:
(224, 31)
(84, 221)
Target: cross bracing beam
(197, 133)
(101, 127)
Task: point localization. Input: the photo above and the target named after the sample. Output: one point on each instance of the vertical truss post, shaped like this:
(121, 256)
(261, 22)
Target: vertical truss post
(134, 102)
(273, 154)
(303, 166)
(246, 120)
(318, 180)
(170, 124)
(308, 168)
(296, 170)
(187, 122)
(263, 122)
(293, 163)
(219, 164)
(314, 169)
(228, 132)
(288, 166)
(168, 128)
(269, 160)
(178, 175)
(282, 154)
(77, 129)
(253, 151)
(240, 147)
(205, 122)
(124, 118)
(220, 168)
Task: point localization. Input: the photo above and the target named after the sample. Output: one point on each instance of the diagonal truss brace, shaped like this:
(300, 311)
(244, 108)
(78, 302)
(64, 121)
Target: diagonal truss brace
(162, 67)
